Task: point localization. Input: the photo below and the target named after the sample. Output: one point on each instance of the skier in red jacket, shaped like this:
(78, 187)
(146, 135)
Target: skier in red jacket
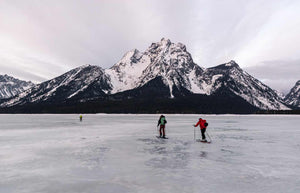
(202, 123)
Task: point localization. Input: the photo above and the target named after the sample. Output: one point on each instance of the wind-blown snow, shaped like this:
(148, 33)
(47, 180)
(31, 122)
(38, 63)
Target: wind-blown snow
(120, 153)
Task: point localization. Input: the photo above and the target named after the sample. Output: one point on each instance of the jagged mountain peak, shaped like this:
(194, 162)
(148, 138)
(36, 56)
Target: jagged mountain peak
(163, 58)
(88, 80)
(159, 52)
(173, 63)
(230, 76)
(165, 41)
(163, 45)
(232, 64)
(82, 68)
(10, 86)
(229, 65)
(132, 53)
(168, 55)
(130, 58)
(6, 78)
(88, 66)
(293, 97)
(124, 74)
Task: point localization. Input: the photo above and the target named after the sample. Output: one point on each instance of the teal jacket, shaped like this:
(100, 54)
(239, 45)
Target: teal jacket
(162, 121)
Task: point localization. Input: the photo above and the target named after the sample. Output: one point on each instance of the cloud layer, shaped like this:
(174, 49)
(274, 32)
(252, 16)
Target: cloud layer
(281, 75)
(42, 39)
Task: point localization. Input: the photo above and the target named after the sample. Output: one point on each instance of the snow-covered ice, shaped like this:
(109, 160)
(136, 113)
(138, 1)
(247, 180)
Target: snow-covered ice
(120, 153)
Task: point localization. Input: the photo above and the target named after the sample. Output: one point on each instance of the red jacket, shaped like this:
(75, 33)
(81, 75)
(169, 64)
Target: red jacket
(201, 123)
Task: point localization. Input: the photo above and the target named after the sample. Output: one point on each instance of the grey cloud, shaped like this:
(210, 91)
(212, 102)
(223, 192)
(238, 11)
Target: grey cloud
(281, 75)
(65, 34)
(21, 74)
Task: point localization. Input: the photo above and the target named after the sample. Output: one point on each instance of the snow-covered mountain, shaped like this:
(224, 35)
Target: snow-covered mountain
(232, 77)
(174, 65)
(10, 86)
(293, 97)
(83, 82)
(165, 70)
(165, 59)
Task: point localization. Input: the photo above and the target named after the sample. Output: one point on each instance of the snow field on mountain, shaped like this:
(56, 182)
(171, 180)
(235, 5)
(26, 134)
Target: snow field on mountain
(10, 86)
(120, 153)
(293, 97)
(127, 74)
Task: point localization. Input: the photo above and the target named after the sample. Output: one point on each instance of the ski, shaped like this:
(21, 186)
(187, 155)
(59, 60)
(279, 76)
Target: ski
(199, 140)
(162, 137)
(205, 141)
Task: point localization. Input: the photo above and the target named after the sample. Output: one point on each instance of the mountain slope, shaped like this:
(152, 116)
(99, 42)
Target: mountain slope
(83, 82)
(174, 65)
(293, 97)
(162, 59)
(233, 78)
(10, 86)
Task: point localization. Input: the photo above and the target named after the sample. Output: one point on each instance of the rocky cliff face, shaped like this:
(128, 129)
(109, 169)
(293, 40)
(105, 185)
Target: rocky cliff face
(174, 65)
(233, 78)
(10, 86)
(86, 81)
(293, 97)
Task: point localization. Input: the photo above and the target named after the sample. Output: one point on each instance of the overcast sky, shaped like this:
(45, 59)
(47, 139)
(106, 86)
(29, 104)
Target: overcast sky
(43, 39)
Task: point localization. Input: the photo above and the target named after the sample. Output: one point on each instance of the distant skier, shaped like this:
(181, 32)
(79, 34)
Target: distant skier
(80, 117)
(203, 124)
(162, 122)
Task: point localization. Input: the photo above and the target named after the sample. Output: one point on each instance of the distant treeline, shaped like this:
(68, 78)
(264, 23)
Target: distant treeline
(278, 112)
(149, 102)
(182, 105)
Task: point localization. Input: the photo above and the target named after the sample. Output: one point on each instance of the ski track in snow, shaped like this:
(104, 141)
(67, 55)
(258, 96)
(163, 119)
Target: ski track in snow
(120, 153)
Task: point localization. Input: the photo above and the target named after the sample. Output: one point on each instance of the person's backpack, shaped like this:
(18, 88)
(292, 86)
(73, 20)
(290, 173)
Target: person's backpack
(205, 124)
(163, 121)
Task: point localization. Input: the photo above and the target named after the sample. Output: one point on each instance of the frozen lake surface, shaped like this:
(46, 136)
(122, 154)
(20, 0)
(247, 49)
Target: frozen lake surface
(120, 154)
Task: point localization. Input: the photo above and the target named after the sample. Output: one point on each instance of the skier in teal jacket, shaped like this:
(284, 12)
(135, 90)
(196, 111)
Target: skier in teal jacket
(162, 122)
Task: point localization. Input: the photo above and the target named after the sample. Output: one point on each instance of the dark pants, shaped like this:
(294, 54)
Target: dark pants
(202, 133)
(162, 130)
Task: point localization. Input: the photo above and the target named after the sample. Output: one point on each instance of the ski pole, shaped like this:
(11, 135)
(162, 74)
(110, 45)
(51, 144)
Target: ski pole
(194, 134)
(208, 136)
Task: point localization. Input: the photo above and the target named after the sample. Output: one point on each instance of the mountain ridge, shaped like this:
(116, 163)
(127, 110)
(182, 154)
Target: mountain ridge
(293, 97)
(10, 86)
(174, 70)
